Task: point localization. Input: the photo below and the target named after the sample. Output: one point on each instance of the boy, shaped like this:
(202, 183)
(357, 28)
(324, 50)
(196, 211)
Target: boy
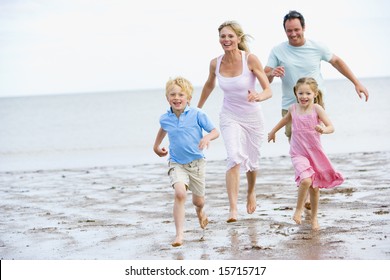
(184, 125)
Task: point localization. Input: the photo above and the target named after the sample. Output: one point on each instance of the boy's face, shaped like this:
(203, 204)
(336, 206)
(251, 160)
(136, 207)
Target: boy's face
(177, 99)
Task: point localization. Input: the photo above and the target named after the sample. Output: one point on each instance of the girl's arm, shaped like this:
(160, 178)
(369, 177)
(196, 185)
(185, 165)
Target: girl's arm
(161, 152)
(209, 85)
(327, 128)
(285, 120)
(255, 66)
(205, 141)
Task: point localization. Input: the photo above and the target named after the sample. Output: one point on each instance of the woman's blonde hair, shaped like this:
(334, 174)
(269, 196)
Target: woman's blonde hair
(243, 45)
(312, 83)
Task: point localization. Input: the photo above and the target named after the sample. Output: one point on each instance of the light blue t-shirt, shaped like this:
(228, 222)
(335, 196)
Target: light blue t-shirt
(298, 62)
(185, 133)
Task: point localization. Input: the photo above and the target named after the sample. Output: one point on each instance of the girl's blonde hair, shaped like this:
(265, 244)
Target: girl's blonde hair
(243, 45)
(181, 82)
(312, 83)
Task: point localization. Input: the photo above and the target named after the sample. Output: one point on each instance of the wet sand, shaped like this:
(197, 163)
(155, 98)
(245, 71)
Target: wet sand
(125, 213)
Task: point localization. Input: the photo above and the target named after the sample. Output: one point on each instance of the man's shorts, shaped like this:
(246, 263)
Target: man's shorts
(287, 128)
(191, 174)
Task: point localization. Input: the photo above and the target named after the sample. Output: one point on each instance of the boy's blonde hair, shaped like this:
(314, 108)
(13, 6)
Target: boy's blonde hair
(181, 82)
(312, 83)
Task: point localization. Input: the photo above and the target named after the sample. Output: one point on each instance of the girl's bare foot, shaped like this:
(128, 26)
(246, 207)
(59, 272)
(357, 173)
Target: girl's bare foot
(251, 203)
(297, 217)
(307, 202)
(314, 224)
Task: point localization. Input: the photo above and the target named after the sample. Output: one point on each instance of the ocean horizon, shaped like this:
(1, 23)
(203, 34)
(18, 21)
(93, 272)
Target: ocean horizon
(118, 128)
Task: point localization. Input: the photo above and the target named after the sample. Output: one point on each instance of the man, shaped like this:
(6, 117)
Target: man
(302, 58)
(299, 58)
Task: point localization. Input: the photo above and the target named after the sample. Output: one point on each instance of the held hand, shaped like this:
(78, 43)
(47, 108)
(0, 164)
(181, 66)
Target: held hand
(278, 71)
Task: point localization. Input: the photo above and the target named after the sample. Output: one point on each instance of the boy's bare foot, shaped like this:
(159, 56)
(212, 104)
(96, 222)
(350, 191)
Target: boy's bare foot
(251, 203)
(297, 217)
(203, 220)
(314, 224)
(178, 241)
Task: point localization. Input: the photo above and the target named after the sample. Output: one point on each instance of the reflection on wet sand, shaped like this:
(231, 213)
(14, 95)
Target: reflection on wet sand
(126, 213)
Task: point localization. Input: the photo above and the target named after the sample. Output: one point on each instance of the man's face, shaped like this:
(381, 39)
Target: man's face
(294, 32)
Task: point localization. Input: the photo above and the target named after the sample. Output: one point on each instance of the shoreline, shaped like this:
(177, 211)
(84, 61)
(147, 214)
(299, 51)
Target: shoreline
(125, 212)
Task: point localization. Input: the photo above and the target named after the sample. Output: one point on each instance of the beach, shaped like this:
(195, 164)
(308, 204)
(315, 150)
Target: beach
(79, 181)
(125, 213)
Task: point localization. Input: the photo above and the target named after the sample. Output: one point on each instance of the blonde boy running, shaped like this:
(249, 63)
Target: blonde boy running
(184, 126)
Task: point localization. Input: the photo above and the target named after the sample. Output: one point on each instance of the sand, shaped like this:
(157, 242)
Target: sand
(125, 213)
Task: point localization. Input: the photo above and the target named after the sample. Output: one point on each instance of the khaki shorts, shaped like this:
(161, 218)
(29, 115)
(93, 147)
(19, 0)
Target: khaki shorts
(287, 128)
(191, 174)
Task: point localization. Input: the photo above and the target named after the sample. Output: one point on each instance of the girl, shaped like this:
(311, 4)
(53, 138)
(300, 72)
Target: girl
(313, 170)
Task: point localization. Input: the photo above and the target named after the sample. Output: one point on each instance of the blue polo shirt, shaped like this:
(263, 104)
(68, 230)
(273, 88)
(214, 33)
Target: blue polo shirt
(185, 133)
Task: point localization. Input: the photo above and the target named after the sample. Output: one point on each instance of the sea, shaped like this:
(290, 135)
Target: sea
(95, 129)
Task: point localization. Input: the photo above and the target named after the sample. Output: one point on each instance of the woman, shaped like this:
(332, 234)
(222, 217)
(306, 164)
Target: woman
(241, 117)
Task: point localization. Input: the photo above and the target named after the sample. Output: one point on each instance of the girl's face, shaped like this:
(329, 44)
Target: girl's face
(177, 99)
(228, 39)
(305, 95)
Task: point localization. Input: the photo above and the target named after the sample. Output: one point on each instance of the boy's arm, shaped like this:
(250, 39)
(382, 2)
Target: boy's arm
(161, 152)
(281, 123)
(205, 141)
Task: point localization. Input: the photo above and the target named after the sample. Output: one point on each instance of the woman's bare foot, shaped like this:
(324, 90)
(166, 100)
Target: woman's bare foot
(314, 224)
(178, 241)
(297, 217)
(232, 217)
(251, 203)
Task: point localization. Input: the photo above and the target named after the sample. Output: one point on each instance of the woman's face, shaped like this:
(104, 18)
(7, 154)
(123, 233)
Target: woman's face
(228, 39)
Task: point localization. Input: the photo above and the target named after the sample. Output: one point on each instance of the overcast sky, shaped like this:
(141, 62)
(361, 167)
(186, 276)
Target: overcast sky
(71, 46)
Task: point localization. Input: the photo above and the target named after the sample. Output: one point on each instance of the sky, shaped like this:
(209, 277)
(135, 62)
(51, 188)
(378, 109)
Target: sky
(74, 46)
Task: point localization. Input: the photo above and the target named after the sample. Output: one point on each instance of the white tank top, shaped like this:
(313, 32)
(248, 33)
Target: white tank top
(236, 88)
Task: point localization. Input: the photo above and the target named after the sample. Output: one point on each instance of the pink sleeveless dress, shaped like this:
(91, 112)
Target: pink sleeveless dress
(307, 155)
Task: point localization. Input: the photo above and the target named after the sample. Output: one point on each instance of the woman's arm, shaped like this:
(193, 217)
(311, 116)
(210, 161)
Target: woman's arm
(209, 85)
(256, 67)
